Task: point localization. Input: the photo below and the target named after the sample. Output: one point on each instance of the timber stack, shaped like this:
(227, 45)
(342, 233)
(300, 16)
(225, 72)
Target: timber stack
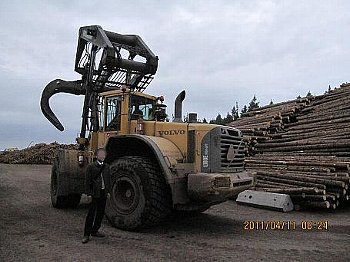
(38, 154)
(302, 148)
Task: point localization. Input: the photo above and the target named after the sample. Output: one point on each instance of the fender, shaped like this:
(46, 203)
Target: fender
(160, 149)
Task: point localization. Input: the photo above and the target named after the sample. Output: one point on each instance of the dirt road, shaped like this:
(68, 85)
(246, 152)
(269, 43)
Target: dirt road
(31, 230)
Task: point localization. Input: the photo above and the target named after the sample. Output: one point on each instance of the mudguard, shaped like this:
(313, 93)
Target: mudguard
(166, 153)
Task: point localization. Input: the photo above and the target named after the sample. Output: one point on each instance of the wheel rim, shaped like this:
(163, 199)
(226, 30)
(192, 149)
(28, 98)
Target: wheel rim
(125, 194)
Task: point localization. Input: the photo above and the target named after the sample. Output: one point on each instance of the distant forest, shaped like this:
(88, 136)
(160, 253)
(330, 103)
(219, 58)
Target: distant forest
(236, 113)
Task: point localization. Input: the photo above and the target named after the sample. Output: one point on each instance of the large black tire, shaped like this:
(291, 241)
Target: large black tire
(140, 197)
(69, 201)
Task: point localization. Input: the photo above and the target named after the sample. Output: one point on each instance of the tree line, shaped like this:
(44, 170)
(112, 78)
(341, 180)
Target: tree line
(235, 113)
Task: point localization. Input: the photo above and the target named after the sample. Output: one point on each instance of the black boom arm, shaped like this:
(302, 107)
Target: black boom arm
(106, 61)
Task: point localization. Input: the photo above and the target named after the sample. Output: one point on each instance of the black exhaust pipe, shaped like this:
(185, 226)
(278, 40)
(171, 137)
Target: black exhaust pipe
(178, 106)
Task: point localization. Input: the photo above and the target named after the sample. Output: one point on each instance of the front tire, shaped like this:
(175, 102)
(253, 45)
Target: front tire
(140, 197)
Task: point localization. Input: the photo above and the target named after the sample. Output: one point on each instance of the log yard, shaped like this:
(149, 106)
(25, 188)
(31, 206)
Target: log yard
(115, 144)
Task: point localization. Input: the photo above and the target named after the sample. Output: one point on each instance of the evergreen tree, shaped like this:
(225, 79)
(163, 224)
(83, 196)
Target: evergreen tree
(244, 110)
(271, 102)
(228, 119)
(254, 104)
(309, 94)
(218, 120)
(204, 121)
(234, 112)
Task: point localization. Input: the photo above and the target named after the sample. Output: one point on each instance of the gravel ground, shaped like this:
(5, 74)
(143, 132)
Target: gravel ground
(32, 230)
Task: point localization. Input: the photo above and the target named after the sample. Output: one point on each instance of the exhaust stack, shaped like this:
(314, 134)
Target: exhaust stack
(178, 106)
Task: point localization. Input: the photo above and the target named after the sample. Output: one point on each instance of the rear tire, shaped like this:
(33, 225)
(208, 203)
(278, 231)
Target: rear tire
(70, 201)
(140, 197)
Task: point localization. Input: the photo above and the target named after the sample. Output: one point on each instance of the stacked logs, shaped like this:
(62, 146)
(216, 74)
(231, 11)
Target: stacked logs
(37, 154)
(322, 182)
(305, 155)
(257, 125)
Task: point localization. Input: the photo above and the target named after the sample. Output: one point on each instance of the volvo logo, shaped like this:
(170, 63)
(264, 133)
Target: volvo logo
(172, 132)
(232, 152)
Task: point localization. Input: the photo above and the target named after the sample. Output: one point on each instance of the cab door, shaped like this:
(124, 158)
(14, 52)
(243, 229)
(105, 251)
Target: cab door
(113, 117)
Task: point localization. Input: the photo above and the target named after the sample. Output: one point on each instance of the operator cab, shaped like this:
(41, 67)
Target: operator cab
(142, 107)
(116, 109)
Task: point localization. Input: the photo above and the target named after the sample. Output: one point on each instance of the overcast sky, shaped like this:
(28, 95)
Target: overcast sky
(219, 51)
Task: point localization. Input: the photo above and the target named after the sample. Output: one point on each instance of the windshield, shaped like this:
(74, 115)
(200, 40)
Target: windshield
(141, 107)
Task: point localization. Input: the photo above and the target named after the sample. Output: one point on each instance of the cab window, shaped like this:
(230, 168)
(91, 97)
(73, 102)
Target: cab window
(113, 105)
(141, 107)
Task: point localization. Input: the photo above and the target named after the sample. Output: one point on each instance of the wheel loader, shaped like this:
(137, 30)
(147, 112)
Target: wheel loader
(157, 167)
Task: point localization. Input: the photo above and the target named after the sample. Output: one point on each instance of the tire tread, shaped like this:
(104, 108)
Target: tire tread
(158, 205)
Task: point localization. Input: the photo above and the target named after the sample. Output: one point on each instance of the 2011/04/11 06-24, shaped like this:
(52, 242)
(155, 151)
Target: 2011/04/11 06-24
(285, 225)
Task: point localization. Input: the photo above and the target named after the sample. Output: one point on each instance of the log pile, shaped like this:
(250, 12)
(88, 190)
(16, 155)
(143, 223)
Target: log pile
(258, 125)
(302, 148)
(37, 154)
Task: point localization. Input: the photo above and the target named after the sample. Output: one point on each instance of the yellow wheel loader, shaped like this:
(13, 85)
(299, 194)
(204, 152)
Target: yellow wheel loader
(157, 166)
